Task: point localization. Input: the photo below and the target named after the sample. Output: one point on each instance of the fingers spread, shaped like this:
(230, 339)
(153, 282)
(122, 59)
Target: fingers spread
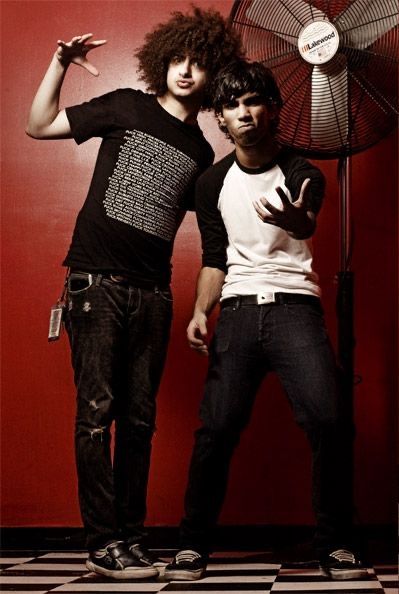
(97, 43)
(85, 37)
(283, 196)
(272, 209)
(90, 68)
(266, 204)
(259, 210)
(266, 217)
(304, 189)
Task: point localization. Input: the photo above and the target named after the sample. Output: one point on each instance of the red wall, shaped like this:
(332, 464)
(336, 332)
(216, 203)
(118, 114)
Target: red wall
(44, 184)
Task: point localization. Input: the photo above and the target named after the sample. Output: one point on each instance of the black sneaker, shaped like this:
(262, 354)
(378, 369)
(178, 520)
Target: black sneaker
(116, 561)
(145, 556)
(343, 565)
(187, 565)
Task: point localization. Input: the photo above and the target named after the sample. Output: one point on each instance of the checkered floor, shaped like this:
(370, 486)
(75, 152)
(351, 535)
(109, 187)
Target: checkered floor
(227, 572)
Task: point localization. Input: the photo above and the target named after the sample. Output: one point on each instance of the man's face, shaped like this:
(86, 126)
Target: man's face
(186, 78)
(248, 120)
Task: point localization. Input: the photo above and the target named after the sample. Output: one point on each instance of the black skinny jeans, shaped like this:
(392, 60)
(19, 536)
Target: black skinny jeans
(118, 336)
(292, 341)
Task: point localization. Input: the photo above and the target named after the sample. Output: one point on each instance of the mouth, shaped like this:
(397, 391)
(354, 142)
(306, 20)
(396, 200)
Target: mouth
(247, 125)
(184, 84)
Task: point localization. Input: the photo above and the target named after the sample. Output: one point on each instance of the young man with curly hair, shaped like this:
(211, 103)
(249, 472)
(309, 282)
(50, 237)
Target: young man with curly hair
(257, 211)
(119, 303)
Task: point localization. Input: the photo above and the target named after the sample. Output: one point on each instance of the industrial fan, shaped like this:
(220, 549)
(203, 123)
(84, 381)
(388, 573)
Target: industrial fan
(336, 65)
(335, 62)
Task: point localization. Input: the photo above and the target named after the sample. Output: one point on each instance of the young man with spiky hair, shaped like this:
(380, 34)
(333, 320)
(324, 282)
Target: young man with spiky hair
(119, 303)
(257, 211)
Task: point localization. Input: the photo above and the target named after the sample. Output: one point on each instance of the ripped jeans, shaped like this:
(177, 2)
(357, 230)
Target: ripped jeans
(119, 336)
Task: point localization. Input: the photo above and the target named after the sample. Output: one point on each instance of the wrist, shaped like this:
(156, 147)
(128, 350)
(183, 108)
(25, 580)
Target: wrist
(60, 62)
(306, 229)
(199, 313)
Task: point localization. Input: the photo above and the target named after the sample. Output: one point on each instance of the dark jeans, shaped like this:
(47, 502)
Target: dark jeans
(118, 336)
(250, 341)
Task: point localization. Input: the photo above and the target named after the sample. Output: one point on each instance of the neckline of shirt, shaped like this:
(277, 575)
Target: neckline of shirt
(193, 127)
(263, 169)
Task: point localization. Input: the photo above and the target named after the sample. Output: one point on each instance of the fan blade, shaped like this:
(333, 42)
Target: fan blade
(365, 21)
(329, 121)
(284, 18)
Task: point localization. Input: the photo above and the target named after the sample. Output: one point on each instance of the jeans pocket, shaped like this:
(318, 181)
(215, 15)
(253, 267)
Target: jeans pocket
(307, 325)
(166, 295)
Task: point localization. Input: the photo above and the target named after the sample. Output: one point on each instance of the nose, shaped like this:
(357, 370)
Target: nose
(185, 67)
(243, 112)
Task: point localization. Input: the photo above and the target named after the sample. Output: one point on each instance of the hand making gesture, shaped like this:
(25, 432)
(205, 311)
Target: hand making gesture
(295, 217)
(75, 51)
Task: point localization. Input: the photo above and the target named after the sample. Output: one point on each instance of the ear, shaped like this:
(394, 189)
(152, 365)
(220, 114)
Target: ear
(221, 120)
(274, 110)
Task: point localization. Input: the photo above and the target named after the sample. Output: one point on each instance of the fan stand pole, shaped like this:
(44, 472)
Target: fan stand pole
(344, 304)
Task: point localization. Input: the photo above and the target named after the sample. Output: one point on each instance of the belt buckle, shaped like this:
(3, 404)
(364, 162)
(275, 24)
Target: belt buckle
(263, 298)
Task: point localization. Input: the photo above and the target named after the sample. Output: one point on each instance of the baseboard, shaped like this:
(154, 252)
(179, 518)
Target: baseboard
(243, 538)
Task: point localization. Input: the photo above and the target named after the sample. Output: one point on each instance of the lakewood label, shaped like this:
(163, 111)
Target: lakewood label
(308, 47)
(318, 42)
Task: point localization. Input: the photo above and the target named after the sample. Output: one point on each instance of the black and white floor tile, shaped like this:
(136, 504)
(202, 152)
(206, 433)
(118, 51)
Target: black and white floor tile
(230, 573)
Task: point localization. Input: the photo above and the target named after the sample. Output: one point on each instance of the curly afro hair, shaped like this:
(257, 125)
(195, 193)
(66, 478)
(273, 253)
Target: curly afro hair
(204, 35)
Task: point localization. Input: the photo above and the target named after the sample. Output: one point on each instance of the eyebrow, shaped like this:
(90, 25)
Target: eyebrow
(232, 100)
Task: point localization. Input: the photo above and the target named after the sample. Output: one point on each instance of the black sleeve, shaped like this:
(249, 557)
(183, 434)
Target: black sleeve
(188, 202)
(210, 222)
(297, 170)
(92, 118)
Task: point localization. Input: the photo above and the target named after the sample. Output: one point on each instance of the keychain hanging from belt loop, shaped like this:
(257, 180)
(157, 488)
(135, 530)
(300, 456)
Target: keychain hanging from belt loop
(57, 314)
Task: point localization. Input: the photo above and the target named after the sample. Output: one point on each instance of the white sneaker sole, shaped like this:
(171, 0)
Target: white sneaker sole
(159, 564)
(183, 574)
(345, 574)
(123, 574)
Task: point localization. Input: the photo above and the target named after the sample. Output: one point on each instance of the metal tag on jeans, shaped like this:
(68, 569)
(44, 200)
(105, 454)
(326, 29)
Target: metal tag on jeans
(54, 330)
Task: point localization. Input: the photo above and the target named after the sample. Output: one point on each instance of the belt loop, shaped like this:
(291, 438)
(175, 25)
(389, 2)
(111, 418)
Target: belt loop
(99, 279)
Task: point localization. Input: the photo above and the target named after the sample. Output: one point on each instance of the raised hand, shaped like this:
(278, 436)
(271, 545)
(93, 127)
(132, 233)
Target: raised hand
(75, 51)
(294, 217)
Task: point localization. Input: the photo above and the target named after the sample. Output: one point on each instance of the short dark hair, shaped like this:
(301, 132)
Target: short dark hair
(205, 36)
(241, 77)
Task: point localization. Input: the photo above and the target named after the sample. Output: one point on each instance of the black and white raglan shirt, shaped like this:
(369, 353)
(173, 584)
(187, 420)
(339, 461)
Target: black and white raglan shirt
(144, 177)
(259, 258)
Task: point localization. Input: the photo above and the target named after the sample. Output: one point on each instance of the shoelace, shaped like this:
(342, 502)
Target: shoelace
(343, 556)
(187, 556)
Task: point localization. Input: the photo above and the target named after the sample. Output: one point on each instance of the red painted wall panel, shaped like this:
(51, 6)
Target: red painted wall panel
(43, 187)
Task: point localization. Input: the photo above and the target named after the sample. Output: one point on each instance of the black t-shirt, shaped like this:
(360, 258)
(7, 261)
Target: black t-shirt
(144, 178)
